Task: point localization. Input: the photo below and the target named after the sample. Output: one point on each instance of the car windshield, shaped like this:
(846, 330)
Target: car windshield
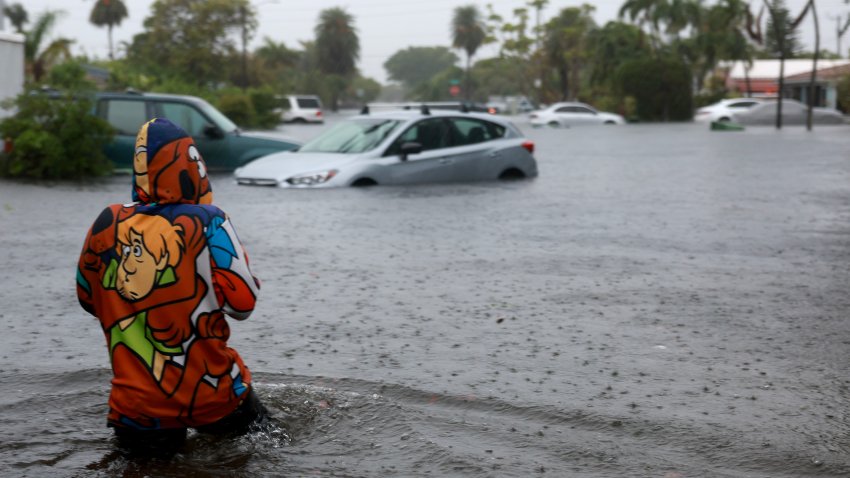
(217, 117)
(351, 137)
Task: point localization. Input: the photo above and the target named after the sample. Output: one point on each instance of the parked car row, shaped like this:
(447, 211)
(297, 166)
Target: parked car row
(431, 142)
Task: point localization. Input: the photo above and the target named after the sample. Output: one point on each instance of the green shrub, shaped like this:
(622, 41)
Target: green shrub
(661, 88)
(54, 138)
(238, 108)
(264, 103)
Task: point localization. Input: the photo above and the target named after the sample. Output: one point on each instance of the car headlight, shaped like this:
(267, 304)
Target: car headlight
(312, 178)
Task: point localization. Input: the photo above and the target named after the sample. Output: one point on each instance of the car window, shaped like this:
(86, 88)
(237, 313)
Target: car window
(582, 110)
(564, 109)
(355, 136)
(126, 116)
(185, 116)
(471, 131)
(310, 103)
(432, 133)
(742, 104)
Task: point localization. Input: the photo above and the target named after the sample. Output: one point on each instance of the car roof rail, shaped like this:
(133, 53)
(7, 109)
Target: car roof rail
(365, 110)
(424, 109)
(464, 107)
(132, 91)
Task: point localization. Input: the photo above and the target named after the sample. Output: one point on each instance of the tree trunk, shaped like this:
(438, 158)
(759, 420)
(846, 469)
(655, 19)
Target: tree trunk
(747, 80)
(466, 95)
(109, 29)
(814, 68)
(781, 87)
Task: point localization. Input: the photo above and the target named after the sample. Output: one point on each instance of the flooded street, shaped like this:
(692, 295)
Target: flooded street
(662, 301)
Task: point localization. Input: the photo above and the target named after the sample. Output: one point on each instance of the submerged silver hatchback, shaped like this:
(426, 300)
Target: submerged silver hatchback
(400, 147)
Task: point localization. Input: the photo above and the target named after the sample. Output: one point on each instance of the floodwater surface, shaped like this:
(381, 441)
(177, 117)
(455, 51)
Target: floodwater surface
(662, 301)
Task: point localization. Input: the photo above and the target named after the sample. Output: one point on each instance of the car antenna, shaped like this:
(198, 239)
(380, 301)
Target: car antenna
(365, 110)
(424, 109)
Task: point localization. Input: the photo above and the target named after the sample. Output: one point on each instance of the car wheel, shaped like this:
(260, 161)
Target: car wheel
(610, 122)
(724, 119)
(554, 124)
(299, 121)
(511, 174)
(364, 182)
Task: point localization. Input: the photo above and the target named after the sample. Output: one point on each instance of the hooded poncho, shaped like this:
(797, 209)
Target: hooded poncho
(159, 274)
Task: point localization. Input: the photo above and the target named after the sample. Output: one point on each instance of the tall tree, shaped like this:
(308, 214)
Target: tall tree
(781, 38)
(567, 48)
(39, 57)
(108, 13)
(275, 62)
(611, 46)
(468, 34)
(417, 64)
(516, 47)
(192, 39)
(17, 14)
(338, 49)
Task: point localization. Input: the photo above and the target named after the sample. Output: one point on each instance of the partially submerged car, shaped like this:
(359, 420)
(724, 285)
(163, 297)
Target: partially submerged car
(301, 109)
(725, 110)
(400, 147)
(793, 113)
(221, 143)
(572, 113)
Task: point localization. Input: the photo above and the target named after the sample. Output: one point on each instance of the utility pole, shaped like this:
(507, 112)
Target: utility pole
(840, 30)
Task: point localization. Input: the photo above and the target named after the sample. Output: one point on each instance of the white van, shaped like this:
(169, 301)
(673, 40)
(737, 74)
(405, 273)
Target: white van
(301, 109)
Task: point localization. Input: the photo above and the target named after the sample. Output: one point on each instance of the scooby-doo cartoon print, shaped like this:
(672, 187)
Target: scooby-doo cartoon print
(160, 274)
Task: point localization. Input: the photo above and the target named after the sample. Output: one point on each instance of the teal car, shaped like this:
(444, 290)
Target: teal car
(222, 144)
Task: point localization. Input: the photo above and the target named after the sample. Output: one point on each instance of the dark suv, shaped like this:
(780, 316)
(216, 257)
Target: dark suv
(221, 143)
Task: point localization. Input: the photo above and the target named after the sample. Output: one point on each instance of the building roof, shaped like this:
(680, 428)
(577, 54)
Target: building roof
(769, 69)
(823, 74)
(11, 37)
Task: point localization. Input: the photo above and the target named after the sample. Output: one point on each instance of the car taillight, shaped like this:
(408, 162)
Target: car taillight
(318, 113)
(529, 146)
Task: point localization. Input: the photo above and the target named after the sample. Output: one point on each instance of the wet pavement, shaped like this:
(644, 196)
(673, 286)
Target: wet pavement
(661, 301)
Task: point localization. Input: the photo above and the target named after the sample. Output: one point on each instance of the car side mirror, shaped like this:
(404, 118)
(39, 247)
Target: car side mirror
(410, 148)
(213, 132)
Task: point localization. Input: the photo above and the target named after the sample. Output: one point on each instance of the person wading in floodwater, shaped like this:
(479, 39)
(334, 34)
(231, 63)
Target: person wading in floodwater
(160, 274)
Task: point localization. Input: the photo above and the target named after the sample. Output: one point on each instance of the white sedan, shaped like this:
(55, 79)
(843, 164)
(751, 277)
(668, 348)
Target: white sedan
(572, 114)
(725, 110)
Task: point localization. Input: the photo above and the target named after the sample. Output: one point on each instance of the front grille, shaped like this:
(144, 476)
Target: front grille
(256, 182)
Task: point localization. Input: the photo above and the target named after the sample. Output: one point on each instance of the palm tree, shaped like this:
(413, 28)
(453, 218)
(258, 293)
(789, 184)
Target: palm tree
(39, 60)
(337, 48)
(468, 33)
(109, 13)
(643, 12)
(17, 15)
(566, 46)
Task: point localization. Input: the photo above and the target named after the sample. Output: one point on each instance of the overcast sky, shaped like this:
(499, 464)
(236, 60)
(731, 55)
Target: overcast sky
(384, 26)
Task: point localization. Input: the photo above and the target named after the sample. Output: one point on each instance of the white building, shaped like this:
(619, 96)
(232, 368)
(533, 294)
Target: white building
(12, 61)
